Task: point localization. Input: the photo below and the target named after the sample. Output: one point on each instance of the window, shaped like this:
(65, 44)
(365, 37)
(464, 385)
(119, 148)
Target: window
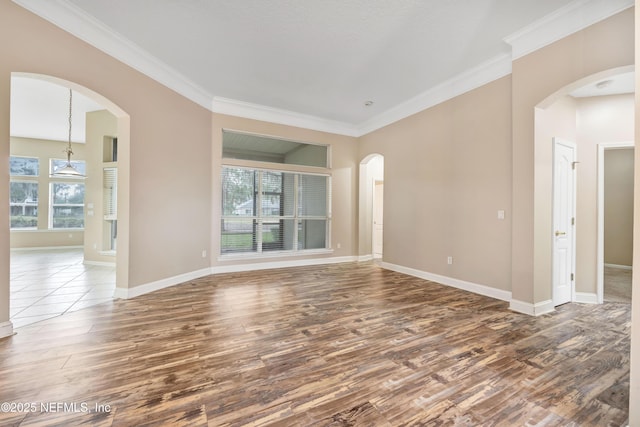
(24, 166)
(23, 202)
(269, 210)
(80, 166)
(67, 205)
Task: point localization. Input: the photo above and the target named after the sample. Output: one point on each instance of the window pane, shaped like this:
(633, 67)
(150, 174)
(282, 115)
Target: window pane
(271, 194)
(238, 235)
(80, 165)
(312, 195)
(23, 201)
(67, 205)
(68, 217)
(24, 166)
(312, 234)
(238, 192)
(67, 194)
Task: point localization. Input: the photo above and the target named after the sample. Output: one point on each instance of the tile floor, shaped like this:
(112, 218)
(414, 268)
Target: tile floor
(48, 283)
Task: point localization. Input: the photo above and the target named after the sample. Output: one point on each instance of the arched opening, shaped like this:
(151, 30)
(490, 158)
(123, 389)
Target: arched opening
(371, 224)
(67, 228)
(589, 122)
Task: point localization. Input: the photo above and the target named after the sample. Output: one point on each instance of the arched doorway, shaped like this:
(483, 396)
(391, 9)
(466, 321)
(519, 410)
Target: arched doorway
(564, 115)
(94, 238)
(371, 224)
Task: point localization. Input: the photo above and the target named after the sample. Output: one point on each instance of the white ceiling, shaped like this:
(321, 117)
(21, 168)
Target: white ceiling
(315, 63)
(40, 109)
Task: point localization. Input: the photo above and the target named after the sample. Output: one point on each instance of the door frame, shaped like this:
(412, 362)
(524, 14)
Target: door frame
(602, 147)
(376, 182)
(573, 204)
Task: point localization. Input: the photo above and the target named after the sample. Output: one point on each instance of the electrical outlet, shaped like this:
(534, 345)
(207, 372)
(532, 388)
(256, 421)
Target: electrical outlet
(338, 246)
(204, 253)
(500, 214)
(449, 260)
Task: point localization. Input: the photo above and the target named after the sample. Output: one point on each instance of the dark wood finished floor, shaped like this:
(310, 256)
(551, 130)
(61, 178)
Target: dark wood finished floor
(338, 345)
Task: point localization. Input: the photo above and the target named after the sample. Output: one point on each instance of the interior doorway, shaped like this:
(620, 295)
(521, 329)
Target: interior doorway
(564, 206)
(615, 221)
(60, 220)
(378, 219)
(371, 203)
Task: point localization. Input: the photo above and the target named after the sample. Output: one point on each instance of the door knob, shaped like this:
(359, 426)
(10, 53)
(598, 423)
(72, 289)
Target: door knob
(560, 233)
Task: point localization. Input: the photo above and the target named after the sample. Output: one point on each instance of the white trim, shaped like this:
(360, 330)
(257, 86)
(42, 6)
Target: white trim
(46, 248)
(272, 254)
(235, 268)
(600, 264)
(126, 293)
(265, 113)
(146, 288)
(6, 329)
(565, 21)
(100, 263)
(450, 281)
(76, 21)
(586, 298)
(473, 78)
(365, 258)
(618, 266)
(537, 309)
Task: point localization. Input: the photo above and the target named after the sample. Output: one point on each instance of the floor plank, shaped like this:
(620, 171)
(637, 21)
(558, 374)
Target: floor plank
(338, 345)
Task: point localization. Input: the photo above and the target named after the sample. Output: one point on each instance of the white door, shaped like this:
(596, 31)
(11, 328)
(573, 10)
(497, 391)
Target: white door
(564, 155)
(378, 198)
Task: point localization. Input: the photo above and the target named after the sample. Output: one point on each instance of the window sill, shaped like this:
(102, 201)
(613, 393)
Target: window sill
(273, 254)
(44, 230)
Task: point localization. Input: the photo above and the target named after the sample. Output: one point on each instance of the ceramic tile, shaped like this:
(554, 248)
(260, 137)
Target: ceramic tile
(47, 283)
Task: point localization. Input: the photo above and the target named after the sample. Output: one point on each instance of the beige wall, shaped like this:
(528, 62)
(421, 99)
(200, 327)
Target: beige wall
(537, 77)
(167, 132)
(43, 237)
(618, 210)
(344, 190)
(447, 172)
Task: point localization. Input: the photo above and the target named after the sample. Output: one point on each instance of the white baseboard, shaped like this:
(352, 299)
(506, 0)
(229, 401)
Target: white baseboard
(536, 309)
(618, 266)
(586, 298)
(126, 293)
(449, 281)
(365, 258)
(100, 263)
(280, 264)
(6, 329)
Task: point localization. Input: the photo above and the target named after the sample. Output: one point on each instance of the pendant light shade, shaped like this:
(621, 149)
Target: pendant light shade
(68, 170)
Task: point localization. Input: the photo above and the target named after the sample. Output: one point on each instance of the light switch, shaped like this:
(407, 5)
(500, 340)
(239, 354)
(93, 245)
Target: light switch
(501, 214)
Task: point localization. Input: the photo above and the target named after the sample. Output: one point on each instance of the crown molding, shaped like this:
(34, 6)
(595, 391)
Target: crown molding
(248, 110)
(473, 78)
(565, 21)
(74, 20)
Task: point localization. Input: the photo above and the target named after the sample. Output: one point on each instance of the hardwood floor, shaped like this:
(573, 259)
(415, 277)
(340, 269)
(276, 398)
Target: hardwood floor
(338, 345)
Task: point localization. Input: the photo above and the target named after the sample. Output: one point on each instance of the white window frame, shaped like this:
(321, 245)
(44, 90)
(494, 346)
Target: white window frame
(52, 205)
(259, 218)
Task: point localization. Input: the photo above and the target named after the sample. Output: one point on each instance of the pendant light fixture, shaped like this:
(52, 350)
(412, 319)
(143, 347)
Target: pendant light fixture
(68, 170)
